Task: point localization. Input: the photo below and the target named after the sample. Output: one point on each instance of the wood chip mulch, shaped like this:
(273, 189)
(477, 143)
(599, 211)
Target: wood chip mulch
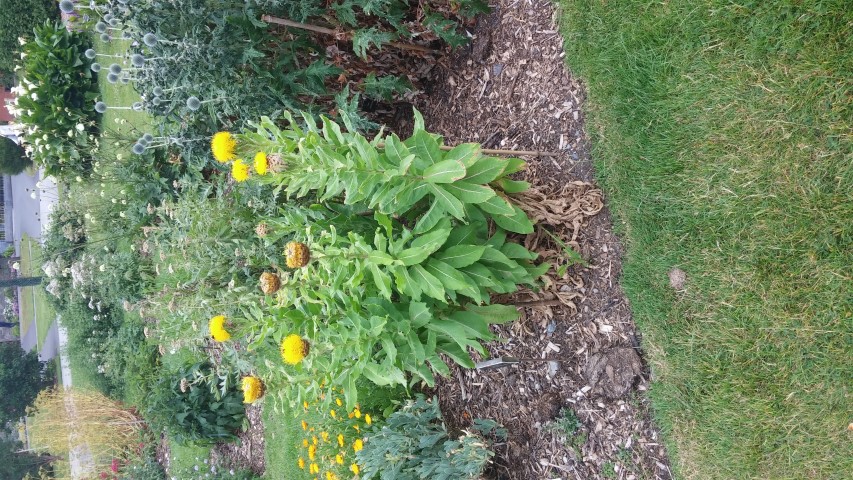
(510, 89)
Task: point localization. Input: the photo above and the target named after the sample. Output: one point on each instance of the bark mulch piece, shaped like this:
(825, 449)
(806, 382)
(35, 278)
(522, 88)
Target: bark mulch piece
(510, 89)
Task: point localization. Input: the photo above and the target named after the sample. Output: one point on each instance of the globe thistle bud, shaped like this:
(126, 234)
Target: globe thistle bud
(90, 53)
(100, 107)
(101, 27)
(96, 67)
(150, 39)
(138, 148)
(158, 92)
(193, 103)
(115, 68)
(137, 60)
(66, 6)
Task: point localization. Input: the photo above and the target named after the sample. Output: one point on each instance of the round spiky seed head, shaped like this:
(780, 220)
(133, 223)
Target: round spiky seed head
(96, 67)
(158, 91)
(262, 230)
(270, 283)
(150, 39)
(66, 6)
(90, 53)
(296, 254)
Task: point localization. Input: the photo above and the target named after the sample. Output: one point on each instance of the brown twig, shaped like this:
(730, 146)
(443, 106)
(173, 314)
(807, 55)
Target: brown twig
(553, 302)
(341, 35)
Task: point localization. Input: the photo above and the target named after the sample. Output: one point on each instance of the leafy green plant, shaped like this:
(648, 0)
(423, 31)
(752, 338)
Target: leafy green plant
(197, 404)
(414, 443)
(13, 158)
(17, 20)
(55, 100)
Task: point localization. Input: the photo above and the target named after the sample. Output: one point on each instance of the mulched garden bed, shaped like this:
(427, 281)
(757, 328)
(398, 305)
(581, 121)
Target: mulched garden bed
(510, 89)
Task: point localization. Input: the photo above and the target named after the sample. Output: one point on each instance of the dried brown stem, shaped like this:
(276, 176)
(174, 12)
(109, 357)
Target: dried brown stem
(341, 35)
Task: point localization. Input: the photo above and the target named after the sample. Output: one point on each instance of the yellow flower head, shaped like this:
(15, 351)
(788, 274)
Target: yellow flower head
(293, 349)
(339, 459)
(261, 163)
(217, 329)
(357, 445)
(253, 389)
(325, 436)
(239, 170)
(304, 425)
(331, 476)
(339, 402)
(367, 419)
(333, 413)
(354, 468)
(305, 405)
(314, 468)
(301, 463)
(341, 439)
(223, 145)
(312, 452)
(357, 413)
(314, 440)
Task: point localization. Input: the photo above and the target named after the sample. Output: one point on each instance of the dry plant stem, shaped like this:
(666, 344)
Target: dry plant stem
(338, 34)
(552, 302)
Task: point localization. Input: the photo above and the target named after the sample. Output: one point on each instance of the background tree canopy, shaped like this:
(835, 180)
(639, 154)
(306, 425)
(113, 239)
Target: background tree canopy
(21, 379)
(17, 19)
(13, 159)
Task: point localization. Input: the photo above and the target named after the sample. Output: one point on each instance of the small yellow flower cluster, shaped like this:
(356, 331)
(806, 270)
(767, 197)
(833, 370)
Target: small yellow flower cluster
(224, 148)
(333, 452)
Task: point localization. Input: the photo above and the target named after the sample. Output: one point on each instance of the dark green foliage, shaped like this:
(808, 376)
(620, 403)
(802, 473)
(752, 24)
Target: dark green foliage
(414, 444)
(13, 159)
(22, 377)
(16, 463)
(197, 404)
(57, 97)
(17, 19)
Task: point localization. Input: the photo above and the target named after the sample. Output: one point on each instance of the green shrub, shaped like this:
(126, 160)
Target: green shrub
(17, 19)
(13, 158)
(196, 404)
(56, 101)
(414, 443)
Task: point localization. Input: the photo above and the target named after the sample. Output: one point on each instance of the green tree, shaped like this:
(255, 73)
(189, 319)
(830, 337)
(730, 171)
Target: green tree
(17, 19)
(15, 464)
(13, 159)
(21, 379)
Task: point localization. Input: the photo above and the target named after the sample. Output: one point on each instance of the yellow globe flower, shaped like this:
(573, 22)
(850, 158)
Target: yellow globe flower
(354, 468)
(314, 468)
(367, 419)
(261, 163)
(304, 425)
(341, 439)
(357, 445)
(293, 349)
(223, 145)
(217, 329)
(253, 389)
(301, 463)
(312, 452)
(239, 170)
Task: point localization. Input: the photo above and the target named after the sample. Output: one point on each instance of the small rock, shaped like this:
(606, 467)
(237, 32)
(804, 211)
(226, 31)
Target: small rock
(612, 373)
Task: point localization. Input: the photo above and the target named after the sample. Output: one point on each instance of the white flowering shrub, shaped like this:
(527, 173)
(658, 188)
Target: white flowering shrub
(55, 101)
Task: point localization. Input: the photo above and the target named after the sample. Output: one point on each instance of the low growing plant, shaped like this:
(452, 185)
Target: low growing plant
(414, 443)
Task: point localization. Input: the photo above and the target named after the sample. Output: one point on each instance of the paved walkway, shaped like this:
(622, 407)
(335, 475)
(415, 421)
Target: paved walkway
(30, 216)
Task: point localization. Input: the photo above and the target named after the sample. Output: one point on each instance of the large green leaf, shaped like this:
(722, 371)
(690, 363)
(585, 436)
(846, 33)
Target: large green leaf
(426, 148)
(458, 354)
(461, 255)
(512, 186)
(485, 170)
(497, 205)
(470, 192)
(467, 153)
(447, 275)
(518, 222)
(430, 218)
(448, 202)
(430, 285)
(447, 171)
(496, 313)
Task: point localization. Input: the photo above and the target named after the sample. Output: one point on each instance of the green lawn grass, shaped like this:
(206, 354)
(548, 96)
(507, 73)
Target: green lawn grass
(722, 135)
(281, 442)
(34, 303)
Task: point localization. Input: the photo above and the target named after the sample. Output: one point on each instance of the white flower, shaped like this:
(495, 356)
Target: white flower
(79, 179)
(102, 268)
(122, 215)
(22, 41)
(80, 127)
(34, 96)
(23, 55)
(44, 137)
(114, 200)
(70, 133)
(16, 266)
(33, 195)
